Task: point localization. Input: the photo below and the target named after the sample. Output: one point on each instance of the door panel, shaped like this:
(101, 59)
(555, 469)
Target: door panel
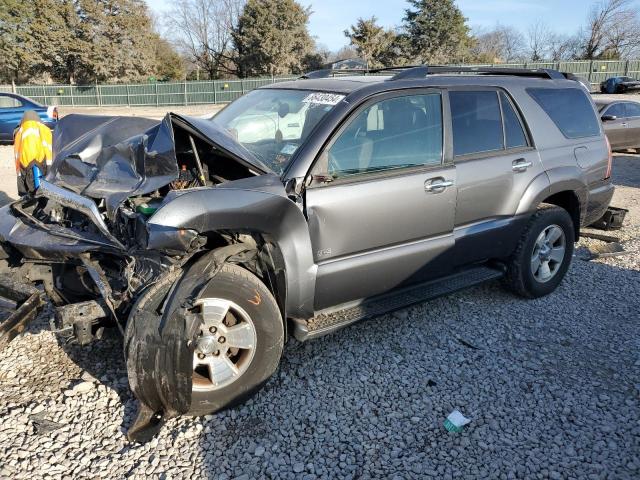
(633, 125)
(371, 237)
(490, 183)
(616, 130)
(386, 219)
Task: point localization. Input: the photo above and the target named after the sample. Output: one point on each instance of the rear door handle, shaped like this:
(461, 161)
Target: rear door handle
(437, 185)
(520, 165)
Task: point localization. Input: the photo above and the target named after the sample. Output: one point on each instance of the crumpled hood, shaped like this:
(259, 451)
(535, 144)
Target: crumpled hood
(113, 158)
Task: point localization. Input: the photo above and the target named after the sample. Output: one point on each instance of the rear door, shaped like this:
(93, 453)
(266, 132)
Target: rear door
(11, 110)
(633, 124)
(616, 130)
(495, 162)
(382, 202)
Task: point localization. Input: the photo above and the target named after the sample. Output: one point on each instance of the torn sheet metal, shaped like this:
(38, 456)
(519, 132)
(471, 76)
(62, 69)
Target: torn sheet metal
(114, 158)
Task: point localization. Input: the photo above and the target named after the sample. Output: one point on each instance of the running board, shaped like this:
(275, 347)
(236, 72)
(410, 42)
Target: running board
(325, 323)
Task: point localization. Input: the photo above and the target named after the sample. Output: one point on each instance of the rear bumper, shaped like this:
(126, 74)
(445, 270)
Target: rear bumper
(598, 201)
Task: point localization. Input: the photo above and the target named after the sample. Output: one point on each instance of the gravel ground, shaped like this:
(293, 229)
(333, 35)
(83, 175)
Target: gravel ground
(552, 387)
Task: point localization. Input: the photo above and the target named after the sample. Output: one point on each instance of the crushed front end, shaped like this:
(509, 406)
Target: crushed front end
(84, 242)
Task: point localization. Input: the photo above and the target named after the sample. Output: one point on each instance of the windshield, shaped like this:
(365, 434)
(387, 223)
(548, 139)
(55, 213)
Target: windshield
(273, 123)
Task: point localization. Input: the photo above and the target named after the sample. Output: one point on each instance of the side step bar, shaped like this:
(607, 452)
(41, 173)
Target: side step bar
(21, 303)
(325, 323)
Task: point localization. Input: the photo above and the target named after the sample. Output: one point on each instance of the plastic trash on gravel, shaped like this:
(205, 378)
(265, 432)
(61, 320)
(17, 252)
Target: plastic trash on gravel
(456, 421)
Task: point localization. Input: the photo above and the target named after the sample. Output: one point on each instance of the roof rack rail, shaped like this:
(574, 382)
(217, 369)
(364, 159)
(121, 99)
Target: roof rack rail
(422, 71)
(328, 72)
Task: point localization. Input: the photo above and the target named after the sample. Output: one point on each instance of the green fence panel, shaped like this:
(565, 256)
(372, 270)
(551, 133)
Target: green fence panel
(603, 69)
(223, 91)
(633, 68)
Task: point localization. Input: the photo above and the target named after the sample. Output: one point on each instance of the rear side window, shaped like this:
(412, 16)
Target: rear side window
(570, 110)
(476, 121)
(513, 132)
(9, 102)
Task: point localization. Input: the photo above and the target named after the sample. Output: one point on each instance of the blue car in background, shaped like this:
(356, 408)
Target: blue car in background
(619, 85)
(13, 106)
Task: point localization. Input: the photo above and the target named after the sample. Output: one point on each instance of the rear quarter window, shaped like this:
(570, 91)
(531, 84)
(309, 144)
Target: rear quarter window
(569, 109)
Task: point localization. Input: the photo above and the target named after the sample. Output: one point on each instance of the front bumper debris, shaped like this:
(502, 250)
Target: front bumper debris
(21, 303)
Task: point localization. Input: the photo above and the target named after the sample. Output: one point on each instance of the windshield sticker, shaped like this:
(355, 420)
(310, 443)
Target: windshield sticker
(289, 149)
(323, 98)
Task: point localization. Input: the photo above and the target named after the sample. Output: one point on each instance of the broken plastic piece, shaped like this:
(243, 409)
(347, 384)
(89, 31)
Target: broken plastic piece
(456, 421)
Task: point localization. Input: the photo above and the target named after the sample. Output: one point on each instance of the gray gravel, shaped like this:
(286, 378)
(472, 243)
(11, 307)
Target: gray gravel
(552, 387)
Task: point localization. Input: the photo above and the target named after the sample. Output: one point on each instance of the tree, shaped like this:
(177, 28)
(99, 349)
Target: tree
(204, 33)
(611, 31)
(169, 65)
(501, 44)
(272, 38)
(538, 39)
(435, 31)
(373, 43)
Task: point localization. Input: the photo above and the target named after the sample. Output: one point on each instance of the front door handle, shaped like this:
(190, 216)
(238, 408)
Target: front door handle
(437, 185)
(520, 165)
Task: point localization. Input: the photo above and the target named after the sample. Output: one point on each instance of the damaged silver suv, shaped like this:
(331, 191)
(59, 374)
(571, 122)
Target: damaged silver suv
(301, 207)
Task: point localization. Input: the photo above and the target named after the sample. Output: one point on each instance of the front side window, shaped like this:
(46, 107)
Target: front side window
(570, 109)
(392, 134)
(633, 110)
(616, 110)
(476, 121)
(273, 123)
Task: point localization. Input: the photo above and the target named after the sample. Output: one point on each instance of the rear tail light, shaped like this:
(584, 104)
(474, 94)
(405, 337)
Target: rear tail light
(607, 175)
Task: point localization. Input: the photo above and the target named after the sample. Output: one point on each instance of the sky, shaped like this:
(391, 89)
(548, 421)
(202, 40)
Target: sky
(331, 17)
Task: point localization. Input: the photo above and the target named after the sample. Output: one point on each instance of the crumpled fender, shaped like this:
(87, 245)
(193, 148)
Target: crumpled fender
(269, 212)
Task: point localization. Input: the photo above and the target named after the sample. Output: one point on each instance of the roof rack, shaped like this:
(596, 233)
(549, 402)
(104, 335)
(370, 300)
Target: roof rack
(328, 72)
(424, 70)
(409, 72)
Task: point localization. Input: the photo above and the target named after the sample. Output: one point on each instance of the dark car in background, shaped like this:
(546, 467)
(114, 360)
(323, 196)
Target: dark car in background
(619, 85)
(13, 106)
(621, 120)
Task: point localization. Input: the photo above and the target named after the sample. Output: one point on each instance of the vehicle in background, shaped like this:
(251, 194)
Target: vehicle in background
(581, 80)
(619, 85)
(207, 245)
(13, 106)
(621, 120)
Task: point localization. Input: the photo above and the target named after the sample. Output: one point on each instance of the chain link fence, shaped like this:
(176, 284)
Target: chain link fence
(224, 91)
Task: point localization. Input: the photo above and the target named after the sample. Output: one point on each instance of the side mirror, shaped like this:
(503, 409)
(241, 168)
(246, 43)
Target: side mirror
(608, 118)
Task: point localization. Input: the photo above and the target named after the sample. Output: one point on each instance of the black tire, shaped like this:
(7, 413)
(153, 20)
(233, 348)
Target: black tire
(519, 277)
(244, 288)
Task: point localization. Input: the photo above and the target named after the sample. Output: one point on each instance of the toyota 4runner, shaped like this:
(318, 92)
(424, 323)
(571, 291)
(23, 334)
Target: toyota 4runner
(301, 207)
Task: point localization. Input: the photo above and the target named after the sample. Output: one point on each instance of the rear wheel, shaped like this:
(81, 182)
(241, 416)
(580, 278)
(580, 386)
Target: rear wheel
(543, 254)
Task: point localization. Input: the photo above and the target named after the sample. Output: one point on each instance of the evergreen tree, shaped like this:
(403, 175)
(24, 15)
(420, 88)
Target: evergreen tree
(272, 38)
(373, 43)
(435, 31)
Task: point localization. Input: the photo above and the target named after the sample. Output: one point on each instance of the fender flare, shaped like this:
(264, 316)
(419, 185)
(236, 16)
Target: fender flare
(245, 210)
(551, 182)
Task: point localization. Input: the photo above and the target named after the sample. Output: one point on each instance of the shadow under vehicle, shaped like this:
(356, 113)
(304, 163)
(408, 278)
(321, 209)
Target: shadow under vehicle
(205, 242)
